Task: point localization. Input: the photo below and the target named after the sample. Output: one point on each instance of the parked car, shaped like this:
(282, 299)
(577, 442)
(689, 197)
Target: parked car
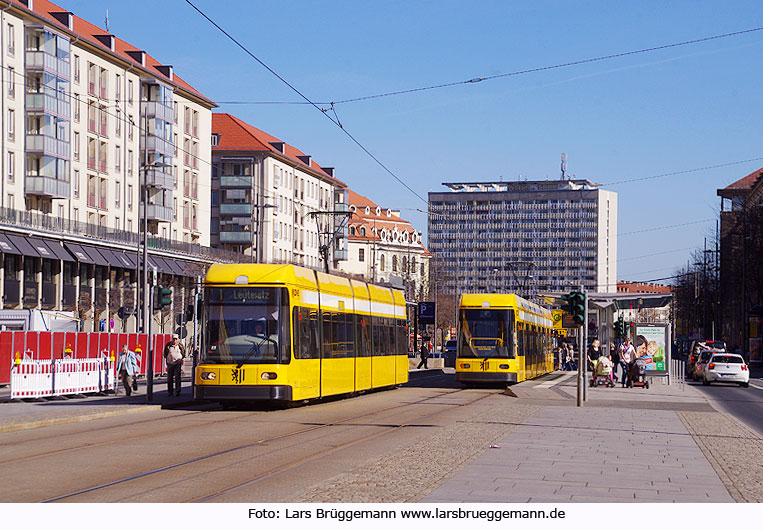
(704, 358)
(450, 353)
(726, 367)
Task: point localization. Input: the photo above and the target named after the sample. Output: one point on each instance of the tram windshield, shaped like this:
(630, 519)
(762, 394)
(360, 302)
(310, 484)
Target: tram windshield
(246, 325)
(486, 333)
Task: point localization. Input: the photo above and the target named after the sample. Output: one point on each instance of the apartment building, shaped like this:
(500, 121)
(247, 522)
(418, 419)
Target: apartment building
(385, 248)
(264, 195)
(90, 121)
(524, 236)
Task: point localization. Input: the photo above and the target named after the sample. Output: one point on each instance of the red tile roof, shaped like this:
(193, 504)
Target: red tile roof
(746, 183)
(370, 220)
(85, 31)
(237, 135)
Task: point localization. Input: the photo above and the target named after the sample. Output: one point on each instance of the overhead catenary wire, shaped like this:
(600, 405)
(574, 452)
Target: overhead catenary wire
(322, 111)
(479, 79)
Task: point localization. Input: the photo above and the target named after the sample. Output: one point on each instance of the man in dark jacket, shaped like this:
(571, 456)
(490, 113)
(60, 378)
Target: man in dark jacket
(173, 355)
(424, 356)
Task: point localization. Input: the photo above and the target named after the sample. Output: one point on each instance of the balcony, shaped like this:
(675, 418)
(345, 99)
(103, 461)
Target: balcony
(47, 187)
(235, 237)
(159, 212)
(155, 109)
(156, 178)
(236, 182)
(39, 60)
(48, 103)
(154, 143)
(236, 209)
(38, 143)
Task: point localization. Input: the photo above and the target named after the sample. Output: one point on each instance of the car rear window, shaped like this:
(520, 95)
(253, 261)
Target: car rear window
(729, 359)
(705, 356)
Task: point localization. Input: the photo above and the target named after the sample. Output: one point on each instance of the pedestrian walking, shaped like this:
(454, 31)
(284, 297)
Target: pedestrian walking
(424, 356)
(627, 354)
(614, 354)
(127, 368)
(571, 364)
(594, 352)
(173, 355)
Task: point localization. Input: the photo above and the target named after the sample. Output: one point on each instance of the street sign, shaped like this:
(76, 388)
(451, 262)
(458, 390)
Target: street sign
(426, 312)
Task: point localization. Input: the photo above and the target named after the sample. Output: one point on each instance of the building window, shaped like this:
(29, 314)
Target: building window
(117, 159)
(118, 124)
(130, 128)
(117, 190)
(11, 82)
(118, 88)
(11, 40)
(361, 254)
(175, 112)
(381, 263)
(215, 198)
(11, 201)
(76, 146)
(129, 95)
(76, 69)
(129, 163)
(76, 183)
(11, 125)
(215, 140)
(129, 196)
(75, 215)
(11, 165)
(394, 263)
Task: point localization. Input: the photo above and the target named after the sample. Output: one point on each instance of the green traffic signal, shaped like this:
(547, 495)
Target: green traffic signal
(162, 298)
(578, 307)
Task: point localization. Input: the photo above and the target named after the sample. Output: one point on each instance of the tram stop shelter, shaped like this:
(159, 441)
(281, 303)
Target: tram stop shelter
(601, 311)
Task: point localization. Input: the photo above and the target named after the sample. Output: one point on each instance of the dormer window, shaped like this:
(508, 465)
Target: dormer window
(378, 210)
(352, 230)
(389, 212)
(368, 210)
(352, 208)
(363, 231)
(215, 140)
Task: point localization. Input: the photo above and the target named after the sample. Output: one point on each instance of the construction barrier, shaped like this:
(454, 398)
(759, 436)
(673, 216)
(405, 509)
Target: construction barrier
(49, 346)
(60, 377)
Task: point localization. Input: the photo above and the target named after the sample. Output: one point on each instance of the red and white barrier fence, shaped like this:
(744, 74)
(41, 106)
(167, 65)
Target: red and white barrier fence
(46, 378)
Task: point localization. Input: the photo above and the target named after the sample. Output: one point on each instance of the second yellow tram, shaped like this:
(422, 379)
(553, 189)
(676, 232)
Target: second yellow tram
(502, 338)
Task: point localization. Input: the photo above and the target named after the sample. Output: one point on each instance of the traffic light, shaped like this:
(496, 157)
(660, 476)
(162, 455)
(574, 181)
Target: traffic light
(620, 330)
(578, 307)
(162, 297)
(575, 306)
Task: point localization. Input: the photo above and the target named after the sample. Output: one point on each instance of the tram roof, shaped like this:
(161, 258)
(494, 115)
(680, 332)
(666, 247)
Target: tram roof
(254, 273)
(502, 300)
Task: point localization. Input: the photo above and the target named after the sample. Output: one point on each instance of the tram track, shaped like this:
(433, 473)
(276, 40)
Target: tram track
(265, 441)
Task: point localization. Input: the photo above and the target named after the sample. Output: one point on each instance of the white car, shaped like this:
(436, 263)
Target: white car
(726, 367)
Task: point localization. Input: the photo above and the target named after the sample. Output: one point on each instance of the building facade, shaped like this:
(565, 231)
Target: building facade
(93, 127)
(740, 293)
(524, 237)
(384, 248)
(267, 197)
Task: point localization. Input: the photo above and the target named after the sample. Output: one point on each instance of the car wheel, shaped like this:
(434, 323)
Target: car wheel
(744, 385)
(705, 382)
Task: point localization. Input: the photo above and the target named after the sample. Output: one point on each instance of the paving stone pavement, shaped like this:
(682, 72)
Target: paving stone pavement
(569, 454)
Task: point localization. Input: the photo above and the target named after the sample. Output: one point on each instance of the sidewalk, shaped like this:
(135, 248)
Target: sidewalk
(16, 415)
(624, 445)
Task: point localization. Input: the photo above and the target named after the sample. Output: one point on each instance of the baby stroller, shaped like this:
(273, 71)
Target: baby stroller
(637, 374)
(602, 374)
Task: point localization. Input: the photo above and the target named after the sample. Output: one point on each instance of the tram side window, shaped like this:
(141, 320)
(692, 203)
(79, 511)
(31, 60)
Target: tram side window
(391, 329)
(521, 338)
(345, 335)
(305, 334)
(363, 335)
(402, 337)
(328, 334)
(381, 336)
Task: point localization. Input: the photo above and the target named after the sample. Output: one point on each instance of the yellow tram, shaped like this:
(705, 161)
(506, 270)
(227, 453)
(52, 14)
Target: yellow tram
(287, 333)
(503, 338)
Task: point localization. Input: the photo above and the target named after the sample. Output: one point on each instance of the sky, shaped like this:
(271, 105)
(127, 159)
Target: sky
(643, 115)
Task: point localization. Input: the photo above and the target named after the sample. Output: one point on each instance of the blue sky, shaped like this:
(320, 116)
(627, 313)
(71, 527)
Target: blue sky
(626, 118)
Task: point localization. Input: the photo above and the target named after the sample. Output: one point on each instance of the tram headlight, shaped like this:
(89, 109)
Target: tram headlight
(464, 366)
(268, 376)
(208, 376)
(503, 366)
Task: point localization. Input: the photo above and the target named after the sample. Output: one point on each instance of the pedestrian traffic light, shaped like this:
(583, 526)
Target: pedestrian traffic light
(162, 297)
(567, 305)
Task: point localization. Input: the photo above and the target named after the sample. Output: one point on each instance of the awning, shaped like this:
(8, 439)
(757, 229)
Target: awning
(6, 247)
(124, 260)
(42, 248)
(58, 250)
(177, 269)
(79, 253)
(96, 256)
(23, 245)
(164, 267)
(131, 259)
(111, 257)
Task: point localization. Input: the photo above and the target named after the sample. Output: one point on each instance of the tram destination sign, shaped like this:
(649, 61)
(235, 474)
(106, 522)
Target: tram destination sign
(241, 295)
(426, 312)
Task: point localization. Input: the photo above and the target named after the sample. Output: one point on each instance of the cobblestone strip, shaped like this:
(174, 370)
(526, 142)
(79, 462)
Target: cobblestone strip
(404, 476)
(734, 451)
